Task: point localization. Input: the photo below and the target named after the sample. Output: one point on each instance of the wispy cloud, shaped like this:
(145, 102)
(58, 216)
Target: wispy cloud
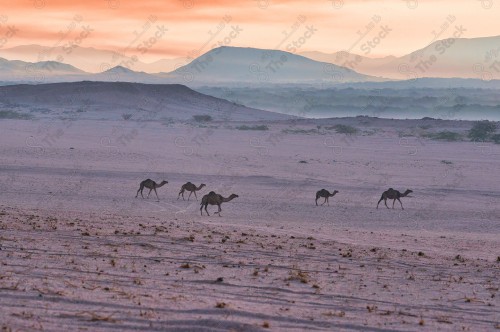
(196, 24)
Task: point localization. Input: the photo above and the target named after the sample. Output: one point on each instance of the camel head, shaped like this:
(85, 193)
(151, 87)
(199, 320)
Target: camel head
(335, 192)
(232, 196)
(407, 192)
(202, 185)
(163, 182)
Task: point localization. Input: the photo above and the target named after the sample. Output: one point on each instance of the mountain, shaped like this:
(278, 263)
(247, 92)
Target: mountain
(15, 70)
(230, 65)
(123, 74)
(362, 64)
(119, 100)
(89, 59)
(447, 58)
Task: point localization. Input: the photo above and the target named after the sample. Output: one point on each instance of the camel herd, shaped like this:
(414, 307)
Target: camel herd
(213, 198)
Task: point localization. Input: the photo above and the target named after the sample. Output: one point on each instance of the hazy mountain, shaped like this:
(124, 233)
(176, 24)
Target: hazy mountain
(16, 70)
(122, 74)
(119, 100)
(89, 59)
(446, 58)
(349, 60)
(227, 65)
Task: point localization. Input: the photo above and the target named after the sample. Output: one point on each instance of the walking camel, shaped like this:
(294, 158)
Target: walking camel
(325, 194)
(394, 195)
(151, 185)
(191, 188)
(213, 198)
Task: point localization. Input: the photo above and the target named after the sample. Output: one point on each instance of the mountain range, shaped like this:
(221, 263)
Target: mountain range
(474, 58)
(477, 58)
(222, 65)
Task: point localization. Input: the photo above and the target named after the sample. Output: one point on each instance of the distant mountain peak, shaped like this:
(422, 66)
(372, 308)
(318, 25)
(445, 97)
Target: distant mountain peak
(120, 70)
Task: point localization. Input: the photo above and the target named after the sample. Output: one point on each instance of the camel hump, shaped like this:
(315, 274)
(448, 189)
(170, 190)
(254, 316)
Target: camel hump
(212, 193)
(391, 189)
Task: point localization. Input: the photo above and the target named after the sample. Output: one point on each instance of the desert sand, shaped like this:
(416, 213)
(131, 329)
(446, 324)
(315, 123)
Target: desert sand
(78, 251)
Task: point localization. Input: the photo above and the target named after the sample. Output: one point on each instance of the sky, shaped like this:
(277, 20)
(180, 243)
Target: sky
(154, 29)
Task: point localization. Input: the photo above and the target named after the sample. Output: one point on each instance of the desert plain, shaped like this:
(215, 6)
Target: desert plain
(79, 252)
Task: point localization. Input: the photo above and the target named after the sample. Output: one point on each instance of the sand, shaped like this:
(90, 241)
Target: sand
(80, 252)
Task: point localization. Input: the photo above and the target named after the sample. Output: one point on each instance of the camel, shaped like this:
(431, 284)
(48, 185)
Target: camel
(191, 188)
(213, 198)
(325, 194)
(151, 185)
(394, 195)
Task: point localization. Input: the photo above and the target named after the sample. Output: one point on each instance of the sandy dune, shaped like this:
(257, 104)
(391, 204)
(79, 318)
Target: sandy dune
(79, 252)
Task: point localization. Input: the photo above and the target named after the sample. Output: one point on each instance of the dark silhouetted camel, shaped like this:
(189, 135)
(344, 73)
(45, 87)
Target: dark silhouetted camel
(394, 195)
(151, 185)
(325, 194)
(191, 188)
(213, 198)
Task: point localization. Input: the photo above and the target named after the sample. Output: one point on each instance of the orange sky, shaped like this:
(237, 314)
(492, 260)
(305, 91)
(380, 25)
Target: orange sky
(198, 25)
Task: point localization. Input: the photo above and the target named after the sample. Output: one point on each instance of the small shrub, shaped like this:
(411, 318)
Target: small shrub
(202, 118)
(298, 275)
(13, 115)
(300, 131)
(449, 136)
(220, 305)
(127, 116)
(447, 162)
(482, 130)
(496, 138)
(261, 127)
(345, 129)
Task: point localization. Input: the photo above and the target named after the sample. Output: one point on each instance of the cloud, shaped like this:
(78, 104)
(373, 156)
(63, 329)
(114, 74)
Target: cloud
(192, 23)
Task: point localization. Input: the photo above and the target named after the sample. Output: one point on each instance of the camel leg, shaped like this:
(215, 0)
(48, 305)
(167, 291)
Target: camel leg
(149, 192)
(178, 196)
(385, 202)
(323, 202)
(394, 201)
(189, 194)
(327, 201)
(201, 209)
(317, 201)
(379, 202)
(141, 188)
(206, 205)
(218, 205)
(195, 195)
(158, 198)
(401, 204)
